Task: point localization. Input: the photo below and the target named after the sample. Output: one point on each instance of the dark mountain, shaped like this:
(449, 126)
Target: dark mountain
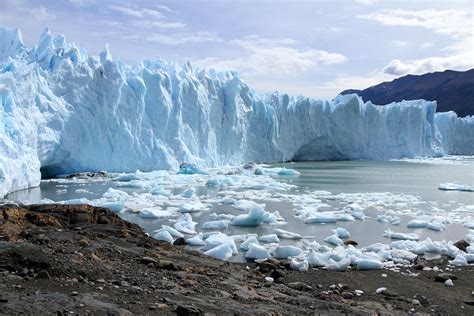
(453, 90)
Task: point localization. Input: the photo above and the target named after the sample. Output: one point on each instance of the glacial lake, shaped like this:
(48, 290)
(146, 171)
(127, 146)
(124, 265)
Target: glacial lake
(404, 189)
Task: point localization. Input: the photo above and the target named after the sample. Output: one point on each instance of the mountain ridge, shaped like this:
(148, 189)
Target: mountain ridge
(453, 90)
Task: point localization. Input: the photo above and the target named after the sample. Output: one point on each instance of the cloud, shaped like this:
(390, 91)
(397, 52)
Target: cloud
(41, 14)
(419, 66)
(456, 24)
(136, 13)
(177, 38)
(146, 24)
(264, 56)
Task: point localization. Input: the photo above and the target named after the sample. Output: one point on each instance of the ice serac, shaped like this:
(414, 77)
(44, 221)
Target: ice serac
(456, 133)
(62, 111)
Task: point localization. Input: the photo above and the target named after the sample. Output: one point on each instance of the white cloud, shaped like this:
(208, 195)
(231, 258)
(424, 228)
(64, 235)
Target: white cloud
(137, 13)
(263, 56)
(456, 24)
(165, 8)
(41, 14)
(159, 24)
(179, 38)
(419, 66)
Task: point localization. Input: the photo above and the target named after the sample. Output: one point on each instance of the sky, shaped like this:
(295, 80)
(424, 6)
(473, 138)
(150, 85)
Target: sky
(313, 48)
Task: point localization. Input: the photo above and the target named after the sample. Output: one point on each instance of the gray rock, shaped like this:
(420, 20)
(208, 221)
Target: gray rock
(347, 295)
(147, 260)
(422, 299)
(300, 286)
(443, 277)
(43, 274)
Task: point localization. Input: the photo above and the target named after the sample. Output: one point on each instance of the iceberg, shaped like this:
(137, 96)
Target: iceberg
(257, 252)
(64, 111)
(284, 252)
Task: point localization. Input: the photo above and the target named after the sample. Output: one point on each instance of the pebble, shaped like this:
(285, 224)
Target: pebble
(147, 260)
(347, 295)
(422, 299)
(299, 286)
(74, 293)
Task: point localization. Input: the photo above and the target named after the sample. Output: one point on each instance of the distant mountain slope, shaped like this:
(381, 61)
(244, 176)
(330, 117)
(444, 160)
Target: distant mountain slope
(453, 90)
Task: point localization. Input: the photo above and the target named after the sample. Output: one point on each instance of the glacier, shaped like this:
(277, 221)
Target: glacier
(64, 111)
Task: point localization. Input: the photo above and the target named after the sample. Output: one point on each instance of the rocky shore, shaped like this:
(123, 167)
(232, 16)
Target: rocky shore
(79, 259)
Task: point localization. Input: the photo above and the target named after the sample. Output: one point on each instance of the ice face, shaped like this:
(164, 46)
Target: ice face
(64, 111)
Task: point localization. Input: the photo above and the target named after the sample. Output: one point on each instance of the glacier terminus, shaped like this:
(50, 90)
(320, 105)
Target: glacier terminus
(63, 111)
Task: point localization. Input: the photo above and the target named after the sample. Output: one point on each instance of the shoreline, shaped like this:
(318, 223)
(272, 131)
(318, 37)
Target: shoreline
(85, 259)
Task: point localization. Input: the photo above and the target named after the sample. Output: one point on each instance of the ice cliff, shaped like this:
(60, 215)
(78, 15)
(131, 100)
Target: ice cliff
(64, 111)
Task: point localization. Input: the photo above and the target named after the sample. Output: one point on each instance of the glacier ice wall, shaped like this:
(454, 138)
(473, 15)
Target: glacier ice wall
(64, 111)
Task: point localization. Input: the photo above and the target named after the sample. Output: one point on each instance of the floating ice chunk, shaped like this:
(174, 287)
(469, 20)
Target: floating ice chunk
(154, 213)
(288, 172)
(164, 236)
(253, 218)
(114, 206)
(417, 223)
(222, 252)
(437, 226)
(376, 247)
(369, 264)
(345, 218)
(321, 218)
(284, 252)
(159, 190)
(228, 201)
(217, 239)
(397, 235)
(341, 265)
(459, 261)
(272, 218)
(115, 194)
(222, 216)
(455, 186)
(403, 255)
(189, 193)
(394, 220)
(341, 232)
(318, 259)
(469, 225)
(256, 251)
(188, 168)
(299, 265)
(186, 224)
(271, 238)
(281, 233)
(470, 236)
(196, 240)
(449, 283)
(222, 224)
(190, 207)
(334, 240)
(126, 177)
(250, 240)
(171, 230)
(358, 214)
(136, 184)
(246, 205)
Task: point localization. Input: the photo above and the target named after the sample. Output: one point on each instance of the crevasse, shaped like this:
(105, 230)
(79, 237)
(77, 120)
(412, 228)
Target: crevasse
(63, 111)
